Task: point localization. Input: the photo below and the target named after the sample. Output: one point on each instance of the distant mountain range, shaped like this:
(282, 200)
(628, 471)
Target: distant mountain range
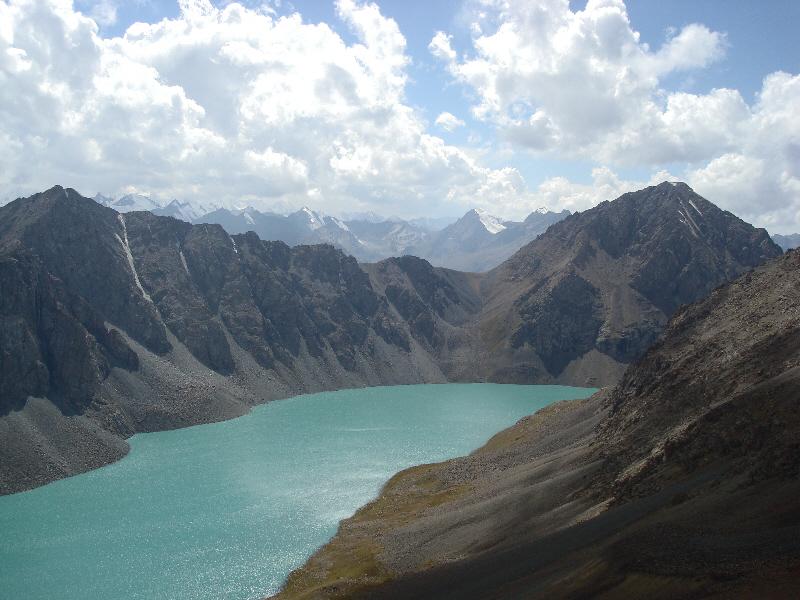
(185, 211)
(787, 242)
(476, 242)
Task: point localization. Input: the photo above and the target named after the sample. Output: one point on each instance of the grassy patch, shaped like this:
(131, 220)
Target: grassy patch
(350, 562)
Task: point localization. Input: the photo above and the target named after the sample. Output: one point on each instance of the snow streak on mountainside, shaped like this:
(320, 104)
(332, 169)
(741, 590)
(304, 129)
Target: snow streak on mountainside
(492, 224)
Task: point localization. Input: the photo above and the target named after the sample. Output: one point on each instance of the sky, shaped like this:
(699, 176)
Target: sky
(404, 107)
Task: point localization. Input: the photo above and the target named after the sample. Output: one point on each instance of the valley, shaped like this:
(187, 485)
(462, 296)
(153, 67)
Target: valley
(240, 504)
(391, 300)
(170, 324)
(679, 482)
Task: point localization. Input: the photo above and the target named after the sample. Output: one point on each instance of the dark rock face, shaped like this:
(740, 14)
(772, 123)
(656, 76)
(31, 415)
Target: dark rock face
(434, 302)
(593, 292)
(560, 320)
(82, 244)
(680, 482)
(52, 343)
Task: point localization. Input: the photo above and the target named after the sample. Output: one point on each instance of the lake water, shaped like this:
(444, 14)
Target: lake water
(227, 510)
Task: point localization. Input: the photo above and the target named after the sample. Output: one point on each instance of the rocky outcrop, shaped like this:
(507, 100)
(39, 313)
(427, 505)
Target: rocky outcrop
(680, 482)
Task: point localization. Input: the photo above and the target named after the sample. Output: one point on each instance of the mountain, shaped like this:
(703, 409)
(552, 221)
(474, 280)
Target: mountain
(787, 242)
(476, 242)
(304, 226)
(112, 323)
(184, 211)
(269, 226)
(379, 240)
(681, 482)
(593, 292)
(129, 202)
(367, 239)
(479, 241)
(429, 224)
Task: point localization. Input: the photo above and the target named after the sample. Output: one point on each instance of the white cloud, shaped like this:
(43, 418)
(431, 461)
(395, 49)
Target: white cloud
(227, 104)
(559, 193)
(448, 121)
(440, 46)
(236, 105)
(760, 180)
(581, 84)
(104, 12)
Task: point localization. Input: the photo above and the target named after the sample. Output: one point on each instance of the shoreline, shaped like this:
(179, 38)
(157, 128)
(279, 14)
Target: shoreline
(122, 446)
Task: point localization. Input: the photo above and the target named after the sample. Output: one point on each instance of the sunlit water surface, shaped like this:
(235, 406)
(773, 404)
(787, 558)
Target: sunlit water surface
(227, 510)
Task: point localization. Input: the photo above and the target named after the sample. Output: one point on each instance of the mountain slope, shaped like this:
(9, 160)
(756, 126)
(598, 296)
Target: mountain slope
(594, 291)
(681, 482)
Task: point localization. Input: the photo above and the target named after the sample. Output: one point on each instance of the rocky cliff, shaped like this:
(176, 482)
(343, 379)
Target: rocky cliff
(680, 482)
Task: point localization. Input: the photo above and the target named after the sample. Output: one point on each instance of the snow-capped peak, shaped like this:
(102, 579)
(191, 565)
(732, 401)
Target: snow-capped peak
(129, 202)
(315, 220)
(492, 224)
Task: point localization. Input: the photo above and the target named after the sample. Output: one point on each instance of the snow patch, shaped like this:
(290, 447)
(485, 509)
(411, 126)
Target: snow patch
(235, 248)
(183, 258)
(126, 247)
(340, 224)
(699, 212)
(492, 224)
(314, 220)
(689, 216)
(687, 220)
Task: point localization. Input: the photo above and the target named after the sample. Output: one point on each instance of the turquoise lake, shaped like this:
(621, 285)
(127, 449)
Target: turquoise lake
(227, 510)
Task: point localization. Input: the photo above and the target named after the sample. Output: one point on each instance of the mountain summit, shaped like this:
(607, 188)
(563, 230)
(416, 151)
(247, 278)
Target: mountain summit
(594, 291)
